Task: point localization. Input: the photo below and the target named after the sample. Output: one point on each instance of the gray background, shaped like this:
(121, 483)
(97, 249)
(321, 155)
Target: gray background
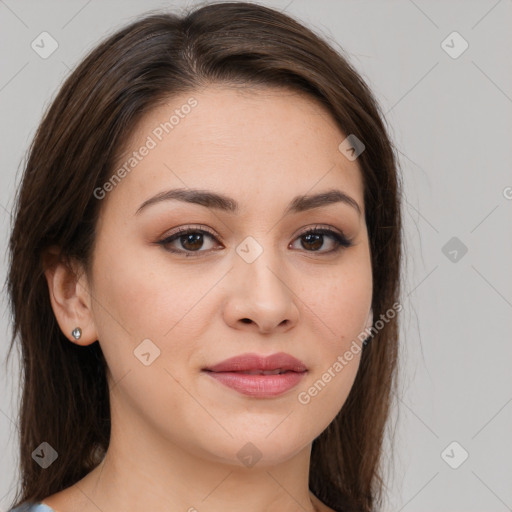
(451, 120)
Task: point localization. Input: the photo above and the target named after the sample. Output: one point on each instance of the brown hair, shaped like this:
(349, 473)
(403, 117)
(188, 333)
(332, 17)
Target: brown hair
(65, 397)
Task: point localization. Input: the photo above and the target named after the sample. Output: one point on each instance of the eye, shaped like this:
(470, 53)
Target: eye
(313, 239)
(191, 239)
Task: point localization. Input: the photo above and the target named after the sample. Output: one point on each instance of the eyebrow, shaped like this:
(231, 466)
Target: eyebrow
(221, 202)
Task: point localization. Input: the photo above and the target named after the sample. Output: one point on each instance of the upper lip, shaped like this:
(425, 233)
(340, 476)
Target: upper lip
(248, 362)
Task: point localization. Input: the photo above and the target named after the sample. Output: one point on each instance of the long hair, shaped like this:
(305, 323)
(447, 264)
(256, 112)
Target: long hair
(65, 396)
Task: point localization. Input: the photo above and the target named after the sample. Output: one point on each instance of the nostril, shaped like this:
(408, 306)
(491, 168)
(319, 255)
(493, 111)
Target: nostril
(246, 320)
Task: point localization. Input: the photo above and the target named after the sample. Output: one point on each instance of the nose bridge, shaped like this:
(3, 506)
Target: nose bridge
(260, 292)
(257, 264)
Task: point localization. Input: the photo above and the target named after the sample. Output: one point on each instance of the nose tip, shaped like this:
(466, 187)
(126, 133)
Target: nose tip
(259, 295)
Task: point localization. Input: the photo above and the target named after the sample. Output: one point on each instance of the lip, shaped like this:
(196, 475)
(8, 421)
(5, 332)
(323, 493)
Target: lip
(248, 362)
(229, 373)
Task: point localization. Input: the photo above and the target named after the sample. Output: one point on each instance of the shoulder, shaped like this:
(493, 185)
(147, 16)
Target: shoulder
(32, 507)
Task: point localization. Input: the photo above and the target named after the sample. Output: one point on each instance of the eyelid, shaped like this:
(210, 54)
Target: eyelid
(319, 227)
(164, 240)
(189, 227)
(341, 240)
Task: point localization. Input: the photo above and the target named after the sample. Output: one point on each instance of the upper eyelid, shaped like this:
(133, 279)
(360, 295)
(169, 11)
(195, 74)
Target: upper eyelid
(203, 228)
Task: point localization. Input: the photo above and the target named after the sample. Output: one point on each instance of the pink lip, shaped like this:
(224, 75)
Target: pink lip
(228, 372)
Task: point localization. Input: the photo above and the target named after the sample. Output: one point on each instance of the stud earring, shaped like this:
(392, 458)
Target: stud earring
(77, 333)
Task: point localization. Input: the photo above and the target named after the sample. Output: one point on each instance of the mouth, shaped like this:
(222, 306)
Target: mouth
(259, 376)
(278, 371)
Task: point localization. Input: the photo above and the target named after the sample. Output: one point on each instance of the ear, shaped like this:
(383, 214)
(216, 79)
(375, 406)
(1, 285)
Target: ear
(69, 296)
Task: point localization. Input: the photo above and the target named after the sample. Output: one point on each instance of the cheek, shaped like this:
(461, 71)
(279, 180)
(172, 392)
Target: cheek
(338, 308)
(142, 309)
(140, 297)
(339, 303)
(322, 398)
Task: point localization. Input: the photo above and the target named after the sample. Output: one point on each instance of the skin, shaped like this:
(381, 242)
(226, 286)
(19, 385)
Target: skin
(175, 430)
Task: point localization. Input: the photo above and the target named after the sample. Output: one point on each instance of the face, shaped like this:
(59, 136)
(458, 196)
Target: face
(181, 286)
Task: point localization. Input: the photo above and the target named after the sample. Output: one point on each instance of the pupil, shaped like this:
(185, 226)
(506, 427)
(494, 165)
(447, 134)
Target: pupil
(192, 238)
(318, 237)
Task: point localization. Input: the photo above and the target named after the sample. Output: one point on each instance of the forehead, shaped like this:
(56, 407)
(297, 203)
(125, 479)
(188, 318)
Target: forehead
(250, 144)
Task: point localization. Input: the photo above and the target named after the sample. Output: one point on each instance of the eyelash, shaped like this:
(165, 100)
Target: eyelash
(341, 241)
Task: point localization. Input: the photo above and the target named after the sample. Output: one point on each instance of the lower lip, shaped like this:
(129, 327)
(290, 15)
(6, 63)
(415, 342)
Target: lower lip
(260, 386)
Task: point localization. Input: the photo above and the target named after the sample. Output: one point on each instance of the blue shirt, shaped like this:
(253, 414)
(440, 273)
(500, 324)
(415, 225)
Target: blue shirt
(32, 507)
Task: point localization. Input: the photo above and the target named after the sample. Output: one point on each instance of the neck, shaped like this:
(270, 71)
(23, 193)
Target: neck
(149, 472)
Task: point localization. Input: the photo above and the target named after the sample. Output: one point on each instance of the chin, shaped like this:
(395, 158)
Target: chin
(259, 449)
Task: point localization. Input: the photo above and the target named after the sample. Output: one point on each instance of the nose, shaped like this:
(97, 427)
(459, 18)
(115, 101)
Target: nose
(260, 296)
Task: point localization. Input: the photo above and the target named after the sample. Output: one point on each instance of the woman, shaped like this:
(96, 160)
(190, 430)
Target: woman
(208, 223)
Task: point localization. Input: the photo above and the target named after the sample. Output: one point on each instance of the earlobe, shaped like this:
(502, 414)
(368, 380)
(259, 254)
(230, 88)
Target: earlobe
(70, 299)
